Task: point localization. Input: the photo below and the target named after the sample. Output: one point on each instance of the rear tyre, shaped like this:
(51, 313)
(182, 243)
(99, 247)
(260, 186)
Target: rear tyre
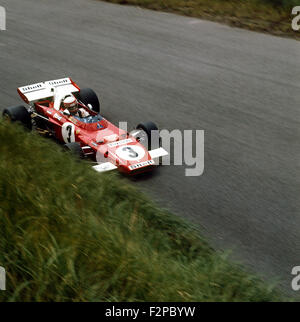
(153, 137)
(88, 96)
(18, 114)
(75, 149)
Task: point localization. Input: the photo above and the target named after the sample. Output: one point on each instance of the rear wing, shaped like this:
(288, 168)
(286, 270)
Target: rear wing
(56, 89)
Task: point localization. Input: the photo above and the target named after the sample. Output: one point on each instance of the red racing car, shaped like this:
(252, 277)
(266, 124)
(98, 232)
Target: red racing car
(83, 130)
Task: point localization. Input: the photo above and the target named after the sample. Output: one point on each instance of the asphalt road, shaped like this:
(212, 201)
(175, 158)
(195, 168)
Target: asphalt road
(242, 88)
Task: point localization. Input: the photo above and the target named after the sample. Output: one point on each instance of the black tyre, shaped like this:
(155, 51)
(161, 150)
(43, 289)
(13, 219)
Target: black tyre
(18, 114)
(88, 96)
(75, 149)
(153, 137)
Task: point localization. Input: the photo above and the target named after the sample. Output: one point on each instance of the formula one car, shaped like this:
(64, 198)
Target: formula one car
(91, 136)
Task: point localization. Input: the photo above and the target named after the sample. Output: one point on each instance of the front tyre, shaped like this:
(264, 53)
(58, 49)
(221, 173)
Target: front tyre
(18, 114)
(152, 134)
(75, 149)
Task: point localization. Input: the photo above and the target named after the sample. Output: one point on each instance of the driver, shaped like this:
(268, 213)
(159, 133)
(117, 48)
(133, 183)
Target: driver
(70, 104)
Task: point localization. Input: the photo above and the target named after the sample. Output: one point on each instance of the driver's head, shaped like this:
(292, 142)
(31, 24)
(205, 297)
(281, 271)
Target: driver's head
(71, 104)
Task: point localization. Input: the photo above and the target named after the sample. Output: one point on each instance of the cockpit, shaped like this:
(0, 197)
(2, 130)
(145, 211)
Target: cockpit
(90, 123)
(89, 119)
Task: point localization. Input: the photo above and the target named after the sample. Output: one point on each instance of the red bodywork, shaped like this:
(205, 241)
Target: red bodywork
(100, 140)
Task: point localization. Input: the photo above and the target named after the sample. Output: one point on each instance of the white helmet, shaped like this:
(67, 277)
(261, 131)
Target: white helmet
(70, 103)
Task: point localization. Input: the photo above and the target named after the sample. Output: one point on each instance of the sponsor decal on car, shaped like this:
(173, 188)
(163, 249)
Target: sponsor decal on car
(141, 164)
(111, 145)
(59, 82)
(73, 119)
(56, 116)
(33, 87)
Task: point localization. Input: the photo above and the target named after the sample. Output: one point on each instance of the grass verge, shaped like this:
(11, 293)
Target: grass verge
(71, 234)
(271, 16)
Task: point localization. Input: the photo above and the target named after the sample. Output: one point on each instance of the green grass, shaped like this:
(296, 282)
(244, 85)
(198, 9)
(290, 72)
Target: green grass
(71, 234)
(271, 16)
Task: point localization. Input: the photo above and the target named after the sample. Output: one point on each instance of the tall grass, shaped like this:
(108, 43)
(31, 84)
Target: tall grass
(71, 234)
(271, 16)
(281, 3)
